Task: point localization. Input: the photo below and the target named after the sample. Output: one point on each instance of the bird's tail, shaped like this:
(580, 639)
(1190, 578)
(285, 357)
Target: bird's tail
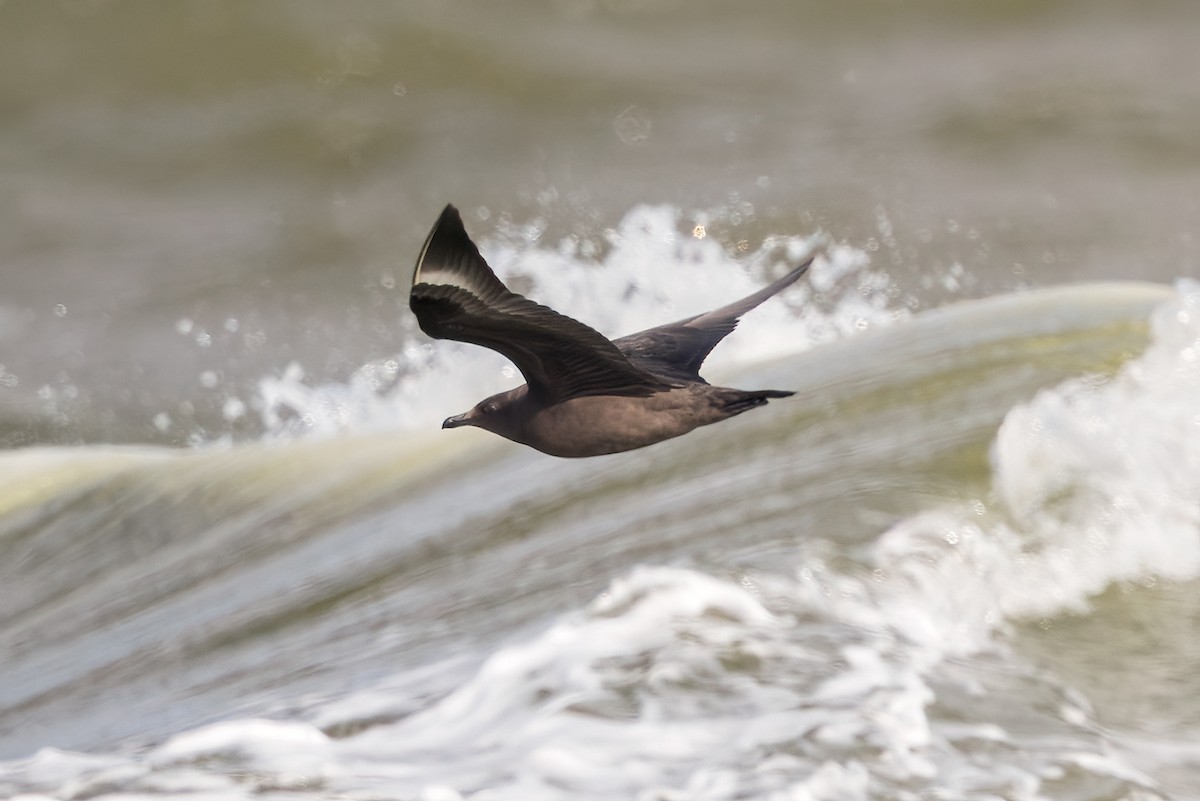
(736, 401)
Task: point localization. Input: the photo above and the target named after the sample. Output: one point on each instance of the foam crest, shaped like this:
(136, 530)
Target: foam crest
(1095, 481)
(651, 272)
(268, 744)
(1101, 479)
(667, 686)
(670, 685)
(1119, 459)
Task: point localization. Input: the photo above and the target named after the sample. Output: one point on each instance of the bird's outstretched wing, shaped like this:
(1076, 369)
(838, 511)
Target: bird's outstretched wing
(677, 350)
(455, 295)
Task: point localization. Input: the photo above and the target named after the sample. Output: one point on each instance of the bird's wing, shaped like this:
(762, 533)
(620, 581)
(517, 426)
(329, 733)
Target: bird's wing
(455, 295)
(677, 350)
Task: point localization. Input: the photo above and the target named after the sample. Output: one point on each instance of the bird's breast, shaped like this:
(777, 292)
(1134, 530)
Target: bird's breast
(595, 425)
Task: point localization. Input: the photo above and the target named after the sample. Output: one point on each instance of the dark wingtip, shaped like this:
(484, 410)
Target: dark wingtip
(446, 235)
(780, 284)
(449, 252)
(797, 271)
(449, 272)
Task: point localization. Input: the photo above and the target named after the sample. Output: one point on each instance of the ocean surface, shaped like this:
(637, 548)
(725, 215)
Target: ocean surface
(240, 560)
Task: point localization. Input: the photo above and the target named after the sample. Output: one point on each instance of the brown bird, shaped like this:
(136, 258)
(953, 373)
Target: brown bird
(584, 394)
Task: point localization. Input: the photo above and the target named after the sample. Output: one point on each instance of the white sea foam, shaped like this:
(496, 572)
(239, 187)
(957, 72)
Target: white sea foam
(653, 272)
(1094, 482)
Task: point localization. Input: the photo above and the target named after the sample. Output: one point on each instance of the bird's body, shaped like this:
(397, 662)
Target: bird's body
(585, 395)
(598, 424)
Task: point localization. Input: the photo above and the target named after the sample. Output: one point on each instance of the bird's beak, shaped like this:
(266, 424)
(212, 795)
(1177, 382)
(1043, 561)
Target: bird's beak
(457, 420)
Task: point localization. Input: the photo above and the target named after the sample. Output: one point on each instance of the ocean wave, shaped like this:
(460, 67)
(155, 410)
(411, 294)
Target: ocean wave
(836, 668)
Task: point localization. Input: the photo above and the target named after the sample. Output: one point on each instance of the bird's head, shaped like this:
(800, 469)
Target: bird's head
(501, 414)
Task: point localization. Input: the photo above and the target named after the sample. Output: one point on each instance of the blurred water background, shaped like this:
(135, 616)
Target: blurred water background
(960, 565)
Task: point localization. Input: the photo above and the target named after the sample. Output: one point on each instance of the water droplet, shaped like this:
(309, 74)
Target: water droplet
(632, 126)
(399, 89)
(60, 310)
(184, 325)
(162, 421)
(387, 281)
(208, 379)
(699, 232)
(232, 325)
(233, 409)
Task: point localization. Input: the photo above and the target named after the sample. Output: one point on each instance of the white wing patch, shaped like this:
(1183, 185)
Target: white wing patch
(438, 275)
(435, 276)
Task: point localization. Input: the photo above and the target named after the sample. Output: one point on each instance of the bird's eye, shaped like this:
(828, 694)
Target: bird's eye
(489, 408)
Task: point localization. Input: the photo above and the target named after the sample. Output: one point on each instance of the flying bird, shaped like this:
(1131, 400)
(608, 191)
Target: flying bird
(584, 394)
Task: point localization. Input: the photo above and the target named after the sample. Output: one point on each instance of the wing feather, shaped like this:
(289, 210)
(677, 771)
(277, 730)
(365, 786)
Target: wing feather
(677, 350)
(455, 295)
